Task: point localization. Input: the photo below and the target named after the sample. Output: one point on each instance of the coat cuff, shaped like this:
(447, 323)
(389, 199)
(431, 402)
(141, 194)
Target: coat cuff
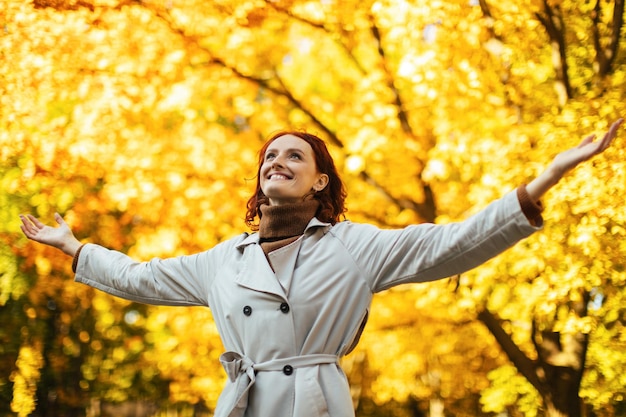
(76, 255)
(531, 209)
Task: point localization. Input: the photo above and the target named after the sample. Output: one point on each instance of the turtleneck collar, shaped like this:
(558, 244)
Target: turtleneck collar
(286, 220)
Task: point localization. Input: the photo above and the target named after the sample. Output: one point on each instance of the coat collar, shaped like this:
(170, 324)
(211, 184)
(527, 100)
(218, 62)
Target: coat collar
(256, 273)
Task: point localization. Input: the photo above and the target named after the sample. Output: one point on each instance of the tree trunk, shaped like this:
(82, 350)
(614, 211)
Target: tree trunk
(556, 373)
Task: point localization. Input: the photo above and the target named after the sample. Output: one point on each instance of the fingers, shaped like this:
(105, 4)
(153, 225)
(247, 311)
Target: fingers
(23, 227)
(617, 124)
(58, 218)
(610, 134)
(600, 146)
(27, 226)
(587, 140)
(26, 223)
(35, 221)
(31, 226)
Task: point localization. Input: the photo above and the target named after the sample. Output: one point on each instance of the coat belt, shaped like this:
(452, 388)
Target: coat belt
(242, 371)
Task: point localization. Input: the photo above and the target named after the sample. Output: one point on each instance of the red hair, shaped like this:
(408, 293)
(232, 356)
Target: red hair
(332, 197)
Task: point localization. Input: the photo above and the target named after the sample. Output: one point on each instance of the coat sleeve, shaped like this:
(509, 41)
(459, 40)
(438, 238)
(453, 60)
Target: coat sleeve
(178, 281)
(428, 252)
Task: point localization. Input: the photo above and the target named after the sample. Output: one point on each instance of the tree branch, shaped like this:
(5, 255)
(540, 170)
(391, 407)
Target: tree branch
(605, 56)
(319, 26)
(484, 8)
(332, 136)
(399, 104)
(427, 209)
(524, 365)
(552, 21)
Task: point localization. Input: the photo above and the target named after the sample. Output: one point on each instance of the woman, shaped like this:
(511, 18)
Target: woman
(291, 299)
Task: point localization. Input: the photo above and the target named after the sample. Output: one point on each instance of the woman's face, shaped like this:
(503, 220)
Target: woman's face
(289, 171)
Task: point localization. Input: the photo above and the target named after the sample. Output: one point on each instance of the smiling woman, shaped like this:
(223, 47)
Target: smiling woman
(312, 152)
(292, 299)
(289, 172)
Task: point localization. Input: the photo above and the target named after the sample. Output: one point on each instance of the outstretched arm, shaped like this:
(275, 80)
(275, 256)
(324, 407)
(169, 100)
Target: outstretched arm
(59, 237)
(569, 159)
(180, 280)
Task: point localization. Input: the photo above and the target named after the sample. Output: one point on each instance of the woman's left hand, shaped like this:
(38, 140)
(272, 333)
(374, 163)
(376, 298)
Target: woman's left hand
(569, 159)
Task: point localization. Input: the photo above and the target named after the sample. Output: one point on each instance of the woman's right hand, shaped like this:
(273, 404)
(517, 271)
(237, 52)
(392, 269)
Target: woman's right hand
(59, 237)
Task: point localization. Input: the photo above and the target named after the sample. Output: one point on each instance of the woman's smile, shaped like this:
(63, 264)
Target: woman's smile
(274, 177)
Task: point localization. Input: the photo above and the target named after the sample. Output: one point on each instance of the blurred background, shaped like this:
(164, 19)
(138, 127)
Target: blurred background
(140, 122)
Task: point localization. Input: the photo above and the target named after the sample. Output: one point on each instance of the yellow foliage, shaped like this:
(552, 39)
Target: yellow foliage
(25, 379)
(140, 123)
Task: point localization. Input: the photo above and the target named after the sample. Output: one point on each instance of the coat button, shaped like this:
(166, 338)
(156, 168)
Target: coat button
(247, 310)
(288, 370)
(284, 307)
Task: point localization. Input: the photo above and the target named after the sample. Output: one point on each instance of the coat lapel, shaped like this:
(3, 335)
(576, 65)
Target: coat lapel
(255, 272)
(283, 261)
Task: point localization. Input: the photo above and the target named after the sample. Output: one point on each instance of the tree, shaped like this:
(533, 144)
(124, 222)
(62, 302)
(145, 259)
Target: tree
(560, 343)
(139, 122)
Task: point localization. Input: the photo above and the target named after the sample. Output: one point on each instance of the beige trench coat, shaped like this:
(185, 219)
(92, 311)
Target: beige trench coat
(285, 328)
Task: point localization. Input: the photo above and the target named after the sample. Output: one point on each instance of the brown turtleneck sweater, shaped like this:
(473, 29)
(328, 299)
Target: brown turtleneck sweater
(284, 224)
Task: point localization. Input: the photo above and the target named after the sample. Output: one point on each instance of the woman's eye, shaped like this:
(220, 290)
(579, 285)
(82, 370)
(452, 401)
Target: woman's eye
(295, 156)
(269, 156)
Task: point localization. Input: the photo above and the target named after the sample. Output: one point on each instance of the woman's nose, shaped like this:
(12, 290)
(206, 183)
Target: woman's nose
(277, 161)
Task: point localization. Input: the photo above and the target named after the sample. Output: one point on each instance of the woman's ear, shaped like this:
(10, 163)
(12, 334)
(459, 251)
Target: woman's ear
(321, 183)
